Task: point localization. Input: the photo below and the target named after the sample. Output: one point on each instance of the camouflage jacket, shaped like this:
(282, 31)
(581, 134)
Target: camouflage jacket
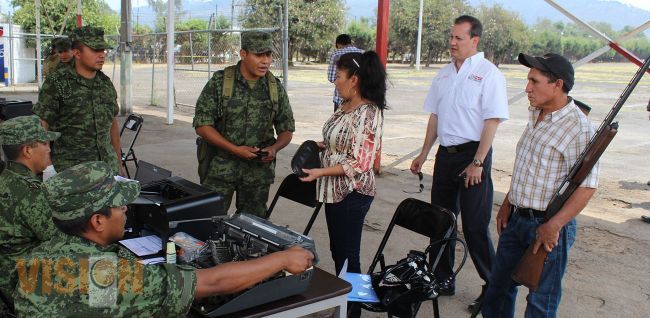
(69, 276)
(247, 122)
(25, 219)
(82, 110)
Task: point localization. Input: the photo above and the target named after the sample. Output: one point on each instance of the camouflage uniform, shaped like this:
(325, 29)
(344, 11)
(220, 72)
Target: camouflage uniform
(25, 217)
(81, 109)
(72, 276)
(53, 62)
(247, 123)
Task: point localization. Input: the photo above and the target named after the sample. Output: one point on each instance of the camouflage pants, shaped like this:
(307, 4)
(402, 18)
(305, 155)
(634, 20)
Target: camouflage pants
(249, 198)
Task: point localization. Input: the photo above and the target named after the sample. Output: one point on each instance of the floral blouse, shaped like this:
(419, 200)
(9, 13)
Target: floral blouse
(352, 140)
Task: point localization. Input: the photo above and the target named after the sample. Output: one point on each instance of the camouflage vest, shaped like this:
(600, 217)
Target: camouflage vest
(205, 152)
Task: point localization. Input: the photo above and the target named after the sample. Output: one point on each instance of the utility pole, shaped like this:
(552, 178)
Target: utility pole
(126, 59)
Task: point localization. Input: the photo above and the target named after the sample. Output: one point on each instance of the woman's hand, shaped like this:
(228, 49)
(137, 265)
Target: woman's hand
(312, 174)
(321, 145)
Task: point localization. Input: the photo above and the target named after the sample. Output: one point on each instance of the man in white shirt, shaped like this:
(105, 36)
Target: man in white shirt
(467, 101)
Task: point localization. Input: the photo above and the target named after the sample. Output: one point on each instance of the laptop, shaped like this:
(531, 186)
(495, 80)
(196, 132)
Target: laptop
(148, 172)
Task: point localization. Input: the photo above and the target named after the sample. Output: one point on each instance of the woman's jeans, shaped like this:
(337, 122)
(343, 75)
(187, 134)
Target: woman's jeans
(502, 290)
(344, 225)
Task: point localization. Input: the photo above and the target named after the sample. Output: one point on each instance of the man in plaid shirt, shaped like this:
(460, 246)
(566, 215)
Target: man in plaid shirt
(343, 45)
(556, 134)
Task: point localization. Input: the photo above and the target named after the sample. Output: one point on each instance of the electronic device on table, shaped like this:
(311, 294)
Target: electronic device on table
(243, 237)
(173, 205)
(14, 108)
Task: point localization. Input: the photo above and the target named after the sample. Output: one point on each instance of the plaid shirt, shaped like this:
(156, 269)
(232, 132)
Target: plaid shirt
(545, 154)
(331, 70)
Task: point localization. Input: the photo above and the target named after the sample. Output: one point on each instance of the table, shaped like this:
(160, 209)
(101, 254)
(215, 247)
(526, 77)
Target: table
(325, 291)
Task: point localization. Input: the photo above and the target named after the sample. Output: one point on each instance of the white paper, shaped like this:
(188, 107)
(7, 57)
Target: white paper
(152, 261)
(145, 245)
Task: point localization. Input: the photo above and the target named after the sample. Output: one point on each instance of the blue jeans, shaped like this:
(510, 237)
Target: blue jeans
(344, 225)
(502, 290)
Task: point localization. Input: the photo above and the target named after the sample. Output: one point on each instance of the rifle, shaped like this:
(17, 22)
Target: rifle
(529, 269)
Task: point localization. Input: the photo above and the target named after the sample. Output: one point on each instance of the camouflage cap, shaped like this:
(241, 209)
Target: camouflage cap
(24, 129)
(61, 44)
(93, 37)
(256, 42)
(87, 188)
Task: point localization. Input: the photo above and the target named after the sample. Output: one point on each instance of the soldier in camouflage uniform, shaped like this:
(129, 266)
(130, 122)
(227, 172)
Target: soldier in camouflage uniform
(81, 103)
(83, 272)
(25, 218)
(61, 56)
(239, 132)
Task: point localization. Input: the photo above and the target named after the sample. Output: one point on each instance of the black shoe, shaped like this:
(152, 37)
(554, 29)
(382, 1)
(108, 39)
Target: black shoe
(447, 288)
(646, 218)
(475, 306)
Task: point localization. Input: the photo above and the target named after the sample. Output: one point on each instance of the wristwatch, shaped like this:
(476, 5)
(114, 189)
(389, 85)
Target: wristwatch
(477, 162)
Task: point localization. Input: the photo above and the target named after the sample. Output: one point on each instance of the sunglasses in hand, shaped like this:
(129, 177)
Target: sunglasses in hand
(420, 177)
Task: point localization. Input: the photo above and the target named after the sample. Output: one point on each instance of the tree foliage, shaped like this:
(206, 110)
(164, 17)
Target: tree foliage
(58, 13)
(363, 33)
(313, 25)
(504, 34)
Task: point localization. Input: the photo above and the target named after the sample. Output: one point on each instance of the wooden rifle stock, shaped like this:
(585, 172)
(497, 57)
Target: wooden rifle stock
(530, 267)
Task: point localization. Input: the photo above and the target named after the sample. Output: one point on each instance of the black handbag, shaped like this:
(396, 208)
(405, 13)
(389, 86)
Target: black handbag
(307, 156)
(402, 287)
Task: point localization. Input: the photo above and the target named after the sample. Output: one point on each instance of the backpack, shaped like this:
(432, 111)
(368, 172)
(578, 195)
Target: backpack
(204, 151)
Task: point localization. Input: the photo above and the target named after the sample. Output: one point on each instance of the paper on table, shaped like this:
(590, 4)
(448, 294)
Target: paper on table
(152, 261)
(145, 245)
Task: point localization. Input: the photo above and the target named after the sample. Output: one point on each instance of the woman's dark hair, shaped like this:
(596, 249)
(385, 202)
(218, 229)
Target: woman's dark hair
(78, 226)
(371, 73)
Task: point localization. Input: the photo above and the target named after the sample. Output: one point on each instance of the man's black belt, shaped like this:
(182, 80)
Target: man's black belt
(527, 212)
(472, 145)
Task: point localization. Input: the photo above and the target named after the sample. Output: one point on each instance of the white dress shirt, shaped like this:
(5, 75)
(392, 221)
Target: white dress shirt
(464, 99)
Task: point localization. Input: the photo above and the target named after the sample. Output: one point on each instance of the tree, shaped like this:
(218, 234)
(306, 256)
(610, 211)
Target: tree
(504, 34)
(160, 8)
(312, 24)
(363, 33)
(57, 13)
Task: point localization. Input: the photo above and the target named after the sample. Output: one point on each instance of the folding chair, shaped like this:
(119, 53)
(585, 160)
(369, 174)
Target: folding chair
(134, 124)
(302, 192)
(432, 221)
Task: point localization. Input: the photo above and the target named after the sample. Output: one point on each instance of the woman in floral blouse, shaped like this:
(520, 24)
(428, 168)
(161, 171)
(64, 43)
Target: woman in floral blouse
(351, 139)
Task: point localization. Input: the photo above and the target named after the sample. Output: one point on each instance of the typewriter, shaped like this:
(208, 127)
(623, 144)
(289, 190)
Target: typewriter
(242, 237)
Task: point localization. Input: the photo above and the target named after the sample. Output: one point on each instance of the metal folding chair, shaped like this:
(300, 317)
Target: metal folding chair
(132, 123)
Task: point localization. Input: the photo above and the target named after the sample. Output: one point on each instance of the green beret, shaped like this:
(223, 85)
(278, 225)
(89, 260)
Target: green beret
(24, 129)
(87, 188)
(92, 37)
(256, 42)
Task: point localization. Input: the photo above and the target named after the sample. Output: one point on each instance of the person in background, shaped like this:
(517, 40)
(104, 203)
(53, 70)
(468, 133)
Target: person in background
(61, 56)
(80, 102)
(467, 101)
(343, 45)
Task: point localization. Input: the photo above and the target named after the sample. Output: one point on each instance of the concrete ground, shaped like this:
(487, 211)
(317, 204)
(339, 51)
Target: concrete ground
(608, 273)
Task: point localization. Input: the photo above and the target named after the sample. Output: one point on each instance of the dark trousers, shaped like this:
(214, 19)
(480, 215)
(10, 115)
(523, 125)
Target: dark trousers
(344, 225)
(474, 204)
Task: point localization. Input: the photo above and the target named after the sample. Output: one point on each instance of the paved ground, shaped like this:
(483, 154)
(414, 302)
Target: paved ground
(608, 273)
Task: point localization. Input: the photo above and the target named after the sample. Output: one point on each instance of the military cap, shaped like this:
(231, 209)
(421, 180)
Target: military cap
(93, 37)
(87, 188)
(61, 44)
(24, 129)
(256, 42)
